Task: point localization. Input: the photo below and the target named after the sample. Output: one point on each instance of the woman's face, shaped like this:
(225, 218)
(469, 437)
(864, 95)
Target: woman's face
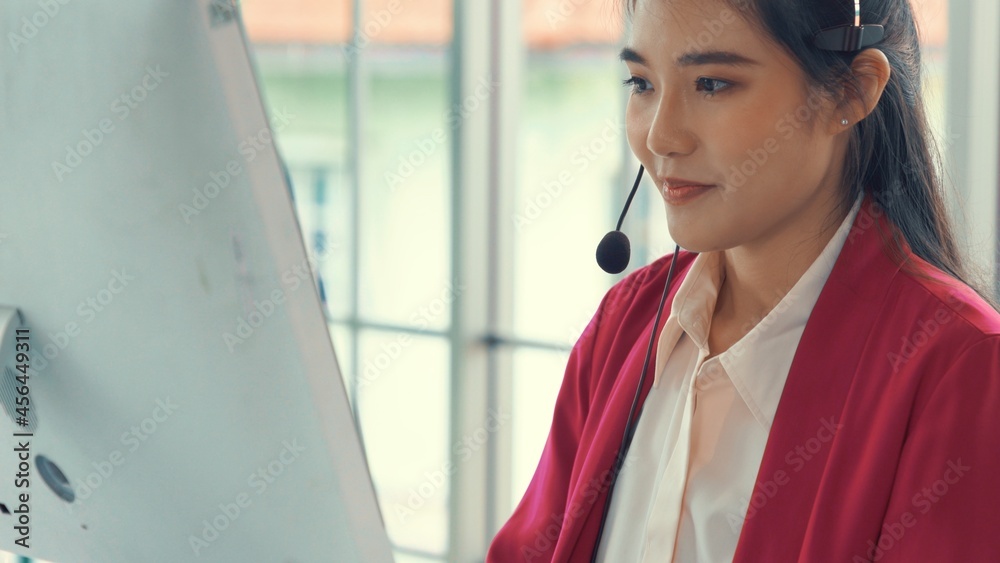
(714, 102)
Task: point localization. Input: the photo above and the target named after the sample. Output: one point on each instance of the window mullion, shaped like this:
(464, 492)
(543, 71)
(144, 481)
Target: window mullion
(470, 93)
(973, 140)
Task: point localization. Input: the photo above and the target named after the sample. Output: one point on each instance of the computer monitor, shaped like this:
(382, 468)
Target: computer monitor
(177, 396)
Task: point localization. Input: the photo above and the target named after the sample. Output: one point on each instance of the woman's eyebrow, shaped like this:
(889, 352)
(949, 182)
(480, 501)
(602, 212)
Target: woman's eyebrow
(630, 55)
(714, 57)
(694, 59)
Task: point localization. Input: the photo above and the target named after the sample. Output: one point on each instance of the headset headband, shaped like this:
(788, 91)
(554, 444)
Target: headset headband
(850, 37)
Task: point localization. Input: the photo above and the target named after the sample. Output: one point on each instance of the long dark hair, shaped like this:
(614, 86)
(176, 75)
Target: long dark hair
(891, 155)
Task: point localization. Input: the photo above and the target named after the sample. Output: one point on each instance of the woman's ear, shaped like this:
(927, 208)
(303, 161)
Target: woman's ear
(871, 69)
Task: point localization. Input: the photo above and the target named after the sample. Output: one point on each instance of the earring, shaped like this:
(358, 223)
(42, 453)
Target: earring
(844, 121)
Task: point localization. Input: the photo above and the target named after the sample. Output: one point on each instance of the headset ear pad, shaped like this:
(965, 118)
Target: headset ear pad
(848, 37)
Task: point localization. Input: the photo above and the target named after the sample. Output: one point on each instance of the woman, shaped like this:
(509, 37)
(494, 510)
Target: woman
(826, 386)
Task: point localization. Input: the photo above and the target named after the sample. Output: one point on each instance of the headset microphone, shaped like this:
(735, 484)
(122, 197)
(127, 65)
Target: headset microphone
(614, 251)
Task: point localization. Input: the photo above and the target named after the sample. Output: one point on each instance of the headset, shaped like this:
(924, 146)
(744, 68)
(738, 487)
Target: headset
(614, 250)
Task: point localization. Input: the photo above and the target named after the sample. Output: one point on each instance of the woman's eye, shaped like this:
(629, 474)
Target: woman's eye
(710, 86)
(637, 84)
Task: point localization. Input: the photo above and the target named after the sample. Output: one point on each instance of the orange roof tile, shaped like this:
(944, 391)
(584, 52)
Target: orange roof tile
(547, 23)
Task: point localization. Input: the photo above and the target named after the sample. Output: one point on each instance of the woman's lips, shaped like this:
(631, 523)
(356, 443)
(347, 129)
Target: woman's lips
(679, 195)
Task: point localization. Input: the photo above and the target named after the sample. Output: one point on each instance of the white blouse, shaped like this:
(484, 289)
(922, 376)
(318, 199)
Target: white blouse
(685, 488)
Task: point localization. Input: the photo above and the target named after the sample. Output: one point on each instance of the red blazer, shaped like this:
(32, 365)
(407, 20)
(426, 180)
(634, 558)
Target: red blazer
(885, 444)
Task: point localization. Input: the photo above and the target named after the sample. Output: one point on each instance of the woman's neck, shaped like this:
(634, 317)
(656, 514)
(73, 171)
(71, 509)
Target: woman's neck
(759, 274)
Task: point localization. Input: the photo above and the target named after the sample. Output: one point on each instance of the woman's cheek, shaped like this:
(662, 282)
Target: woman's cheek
(637, 130)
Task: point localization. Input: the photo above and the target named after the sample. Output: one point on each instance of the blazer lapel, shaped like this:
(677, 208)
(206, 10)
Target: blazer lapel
(822, 371)
(603, 433)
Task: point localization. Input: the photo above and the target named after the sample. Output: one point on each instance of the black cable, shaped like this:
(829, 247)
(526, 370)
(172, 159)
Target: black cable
(631, 195)
(632, 422)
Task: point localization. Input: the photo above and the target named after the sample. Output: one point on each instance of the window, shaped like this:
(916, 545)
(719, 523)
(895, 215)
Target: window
(368, 154)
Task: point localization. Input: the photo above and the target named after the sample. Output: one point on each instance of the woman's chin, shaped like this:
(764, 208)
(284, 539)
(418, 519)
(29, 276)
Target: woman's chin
(690, 234)
(692, 243)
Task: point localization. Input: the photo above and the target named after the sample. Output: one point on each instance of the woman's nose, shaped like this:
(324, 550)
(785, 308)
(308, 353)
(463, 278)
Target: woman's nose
(669, 132)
